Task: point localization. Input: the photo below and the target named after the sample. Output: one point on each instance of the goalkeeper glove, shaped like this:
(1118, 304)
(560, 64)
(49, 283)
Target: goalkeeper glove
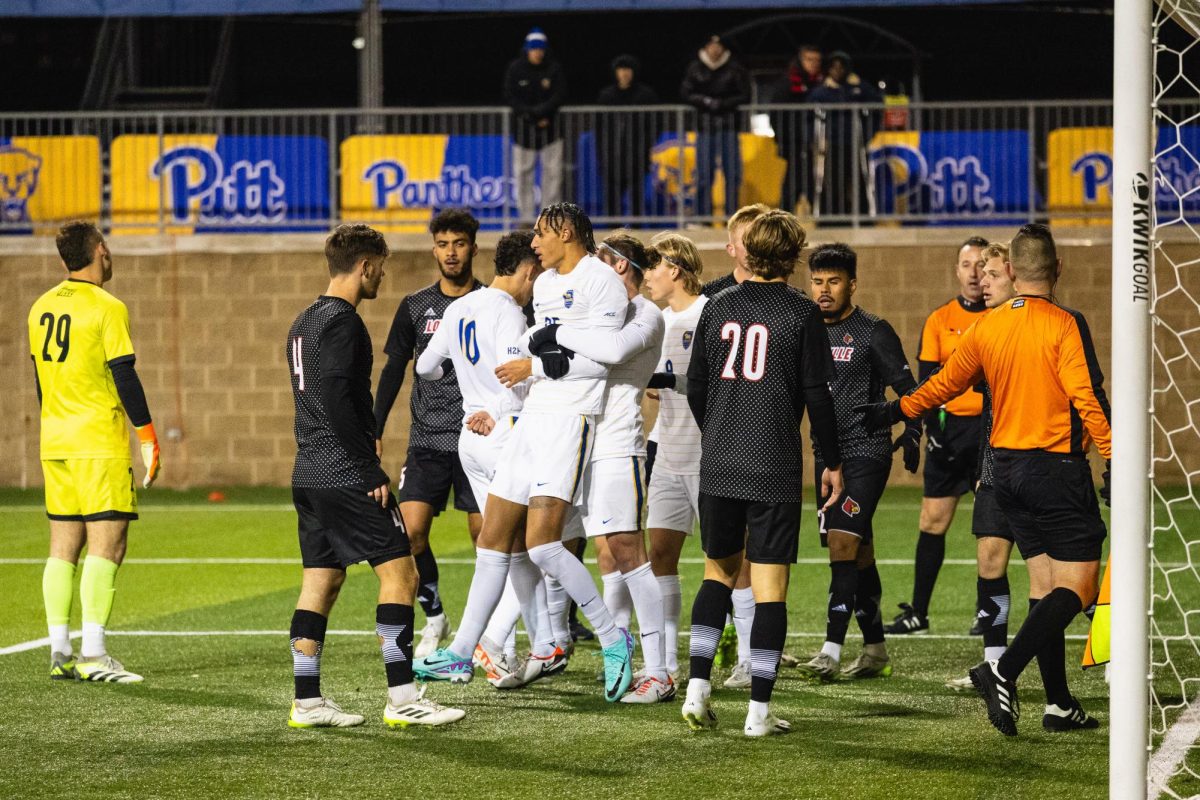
(1106, 489)
(880, 415)
(149, 447)
(910, 440)
(545, 336)
(556, 360)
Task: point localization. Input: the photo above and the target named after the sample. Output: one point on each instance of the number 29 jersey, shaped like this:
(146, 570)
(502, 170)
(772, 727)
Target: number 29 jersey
(76, 331)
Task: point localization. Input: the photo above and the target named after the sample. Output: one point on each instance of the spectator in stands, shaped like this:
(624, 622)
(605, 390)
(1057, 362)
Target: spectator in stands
(624, 138)
(716, 84)
(535, 87)
(793, 128)
(843, 136)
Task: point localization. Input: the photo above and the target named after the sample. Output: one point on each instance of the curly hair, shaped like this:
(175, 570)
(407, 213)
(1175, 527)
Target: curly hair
(513, 250)
(455, 220)
(558, 215)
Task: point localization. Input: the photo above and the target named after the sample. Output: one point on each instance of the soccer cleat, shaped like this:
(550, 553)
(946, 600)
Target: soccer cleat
(726, 647)
(1072, 718)
(443, 665)
(62, 668)
(538, 667)
(1003, 707)
(907, 621)
(962, 684)
(868, 665)
(105, 669)
(698, 713)
(434, 636)
(740, 679)
(821, 667)
(976, 627)
(420, 711)
(788, 660)
(618, 667)
(495, 664)
(770, 725)
(323, 714)
(649, 689)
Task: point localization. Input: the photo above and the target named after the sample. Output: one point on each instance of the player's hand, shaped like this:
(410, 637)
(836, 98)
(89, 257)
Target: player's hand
(380, 494)
(510, 373)
(832, 486)
(556, 361)
(1106, 488)
(379, 449)
(543, 337)
(910, 441)
(480, 422)
(149, 447)
(652, 395)
(662, 380)
(880, 415)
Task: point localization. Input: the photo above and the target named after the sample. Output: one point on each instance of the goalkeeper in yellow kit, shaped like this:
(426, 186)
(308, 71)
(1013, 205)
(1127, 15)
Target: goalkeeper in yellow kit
(86, 384)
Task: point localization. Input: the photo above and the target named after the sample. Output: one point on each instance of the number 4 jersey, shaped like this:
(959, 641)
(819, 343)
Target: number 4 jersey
(77, 331)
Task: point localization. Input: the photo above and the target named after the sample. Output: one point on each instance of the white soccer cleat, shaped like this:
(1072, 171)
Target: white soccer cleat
(104, 669)
(649, 689)
(496, 666)
(821, 667)
(740, 679)
(962, 684)
(697, 711)
(770, 725)
(435, 634)
(321, 712)
(420, 711)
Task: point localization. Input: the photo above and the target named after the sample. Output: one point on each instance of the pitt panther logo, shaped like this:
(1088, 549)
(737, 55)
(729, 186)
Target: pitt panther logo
(568, 298)
(243, 191)
(842, 354)
(391, 186)
(19, 171)
(850, 506)
(687, 339)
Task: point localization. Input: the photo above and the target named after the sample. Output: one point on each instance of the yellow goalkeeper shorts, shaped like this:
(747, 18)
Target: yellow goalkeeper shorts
(87, 489)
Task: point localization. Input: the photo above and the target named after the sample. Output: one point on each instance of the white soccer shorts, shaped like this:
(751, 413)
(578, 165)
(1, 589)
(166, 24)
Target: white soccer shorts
(674, 501)
(613, 496)
(480, 454)
(546, 455)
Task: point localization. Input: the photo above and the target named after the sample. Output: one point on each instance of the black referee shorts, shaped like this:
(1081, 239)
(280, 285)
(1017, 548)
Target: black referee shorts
(865, 480)
(1050, 502)
(344, 525)
(427, 477)
(987, 519)
(768, 532)
(951, 456)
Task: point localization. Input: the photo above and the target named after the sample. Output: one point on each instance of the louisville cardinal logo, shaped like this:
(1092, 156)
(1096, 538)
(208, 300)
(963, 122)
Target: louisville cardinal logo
(848, 339)
(850, 506)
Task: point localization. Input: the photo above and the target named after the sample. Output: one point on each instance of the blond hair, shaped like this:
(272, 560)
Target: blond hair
(773, 243)
(681, 252)
(745, 215)
(995, 250)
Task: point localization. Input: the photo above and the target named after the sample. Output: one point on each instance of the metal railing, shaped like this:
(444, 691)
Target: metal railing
(659, 166)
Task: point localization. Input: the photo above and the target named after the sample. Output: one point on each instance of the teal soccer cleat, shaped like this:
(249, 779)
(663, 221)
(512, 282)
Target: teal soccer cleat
(444, 665)
(618, 667)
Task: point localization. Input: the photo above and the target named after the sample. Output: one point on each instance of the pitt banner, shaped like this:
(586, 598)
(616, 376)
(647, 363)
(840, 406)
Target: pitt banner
(202, 183)
(46, 180)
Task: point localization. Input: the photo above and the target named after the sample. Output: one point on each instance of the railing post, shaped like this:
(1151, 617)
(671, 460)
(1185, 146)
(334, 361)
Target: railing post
(506, 169)
(1031, 168)
(334, 205)
(681, 191)
(162, 228)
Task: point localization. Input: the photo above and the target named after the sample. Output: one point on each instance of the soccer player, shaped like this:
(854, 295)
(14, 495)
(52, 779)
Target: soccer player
(673, 278)
(543, 462)
(867, 356)
(432, 466)
(1047, 399)
(761, 357)
(345, 508)
(86, 384)
(735, 229)
(952, 438)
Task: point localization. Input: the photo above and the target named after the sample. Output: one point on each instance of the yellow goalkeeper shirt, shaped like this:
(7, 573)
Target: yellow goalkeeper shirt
(75, 331)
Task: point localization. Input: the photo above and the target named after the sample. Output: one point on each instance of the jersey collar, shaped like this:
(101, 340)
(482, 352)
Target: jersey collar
(967, 305)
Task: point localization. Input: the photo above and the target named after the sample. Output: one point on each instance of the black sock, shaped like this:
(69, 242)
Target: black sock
(1047, 620)
(306, 669)
(1052, 660)
(766, 645)
(931, 551)
(866, 604)
(394, 625)
(993, 600)
(427, 583)
(708, 620)
(842, 585)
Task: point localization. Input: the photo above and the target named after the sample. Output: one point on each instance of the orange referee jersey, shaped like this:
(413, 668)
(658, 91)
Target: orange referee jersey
(943, 330)
(1047, 387)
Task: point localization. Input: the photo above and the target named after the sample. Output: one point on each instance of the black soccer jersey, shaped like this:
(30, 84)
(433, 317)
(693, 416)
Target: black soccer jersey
(868, 357)
(718, 285)
(986, 457)
(335, 434)
(760, 357)
(436, 406)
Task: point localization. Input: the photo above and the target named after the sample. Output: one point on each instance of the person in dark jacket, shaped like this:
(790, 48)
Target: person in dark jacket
(535, 87)
(624, 138)
(793, 127)
(843, 137)
(716, 84)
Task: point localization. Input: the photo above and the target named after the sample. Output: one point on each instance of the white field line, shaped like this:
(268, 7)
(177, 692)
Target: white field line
(34, 644)
(1172, 751)
(244, 507)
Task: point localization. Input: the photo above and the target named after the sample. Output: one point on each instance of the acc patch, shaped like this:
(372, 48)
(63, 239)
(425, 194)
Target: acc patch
(569, 298)
(850, 506)
(687, 339)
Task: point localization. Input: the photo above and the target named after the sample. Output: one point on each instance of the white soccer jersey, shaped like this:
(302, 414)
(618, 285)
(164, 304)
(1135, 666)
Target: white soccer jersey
(678, 434)
(591, 300)
(632, 353)
(479, 331)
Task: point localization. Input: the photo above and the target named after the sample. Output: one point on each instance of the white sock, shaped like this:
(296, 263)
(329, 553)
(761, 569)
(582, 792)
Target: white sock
(759, 710)
(93, 640)
(554, 560)
(698, 689)
(743, 620)
(672, 600)
(833, 650)
(504, 618)
(558, 606)
(617, 598)
(993, 653)
(487, 586)
(60, 640)
(399, 695)
(510, 645)
(526, 578)
(647, 600)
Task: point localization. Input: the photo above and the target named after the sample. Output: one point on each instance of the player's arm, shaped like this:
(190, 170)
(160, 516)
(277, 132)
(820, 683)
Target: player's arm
(337, 368)
(429, 364)
(611, 349)
(928, 362)
(401, 342)
(890, 364)
(118, 352)
(1079, 372)
(816, 376)
(697, 374)
(509, 330)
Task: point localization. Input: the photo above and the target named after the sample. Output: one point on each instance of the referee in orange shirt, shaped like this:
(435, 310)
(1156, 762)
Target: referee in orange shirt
(1048, 399)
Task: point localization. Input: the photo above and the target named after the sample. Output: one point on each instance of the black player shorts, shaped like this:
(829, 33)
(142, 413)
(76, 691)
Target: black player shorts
(343, 525)
(987, 519)
(427, 477)
(865, 479)
(1050, 502)
(769, 532)
(951, 456)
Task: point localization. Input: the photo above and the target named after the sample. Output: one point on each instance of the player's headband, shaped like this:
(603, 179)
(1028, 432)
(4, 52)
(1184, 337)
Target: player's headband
(654, 257)
(615, 253)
